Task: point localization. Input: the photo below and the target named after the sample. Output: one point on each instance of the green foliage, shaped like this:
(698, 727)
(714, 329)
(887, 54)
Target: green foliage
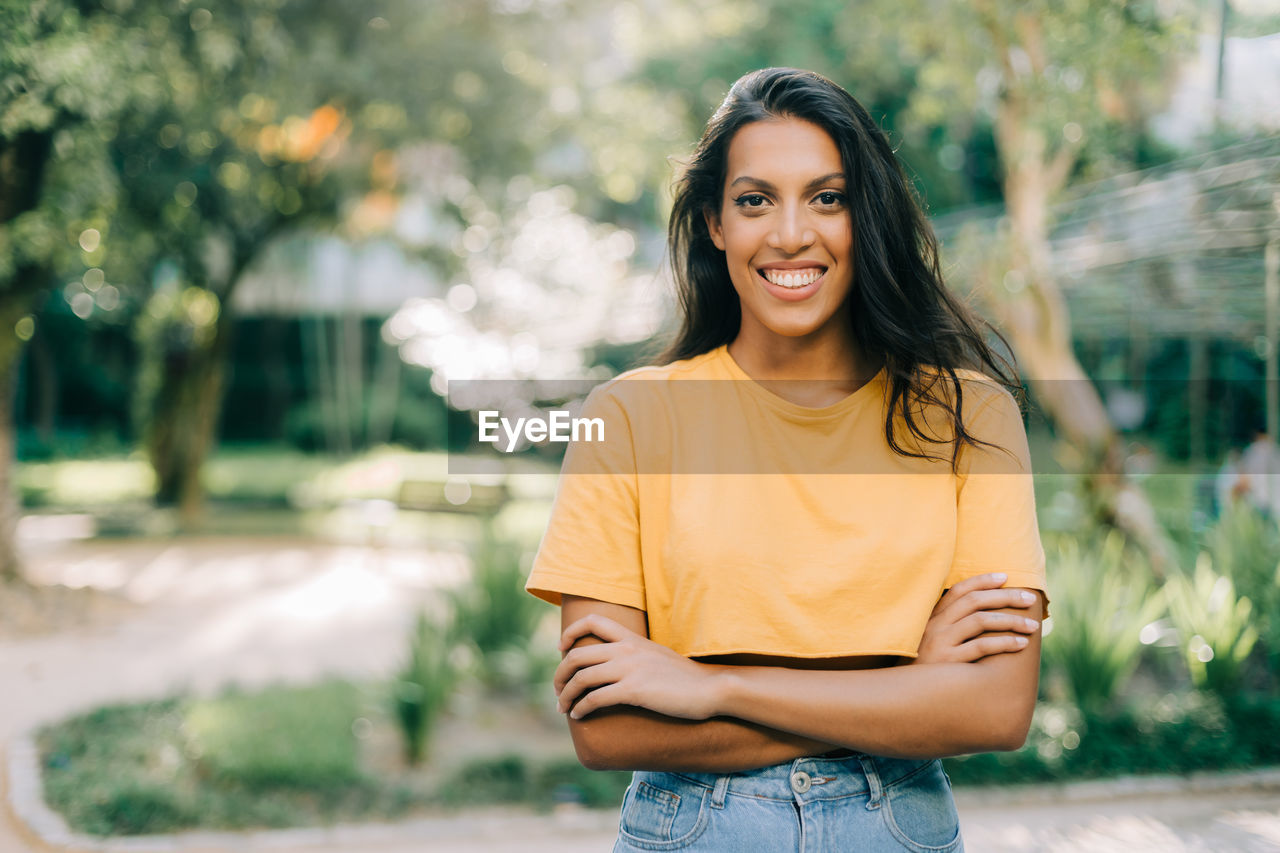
(136, 769)
(423, 686)
(131, 809)
(1214, 625)
(1171, 734)
(493, 613)
(83, 760)
(516, 779)
(279, 737)
(278, 758)
(67, 72)
(1245, 546)
(1101, 600)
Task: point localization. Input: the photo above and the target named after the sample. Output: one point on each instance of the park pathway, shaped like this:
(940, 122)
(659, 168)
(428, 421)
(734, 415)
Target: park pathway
(217, 610)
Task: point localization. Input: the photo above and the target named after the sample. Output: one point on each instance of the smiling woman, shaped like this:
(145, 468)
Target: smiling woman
(782, 641)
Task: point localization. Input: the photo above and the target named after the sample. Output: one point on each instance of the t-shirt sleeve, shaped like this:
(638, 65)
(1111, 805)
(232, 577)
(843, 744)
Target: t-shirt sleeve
(996, 529)
(591, 546)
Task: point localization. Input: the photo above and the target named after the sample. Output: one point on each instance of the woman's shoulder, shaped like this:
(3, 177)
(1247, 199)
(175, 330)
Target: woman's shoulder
(977, 389)
(702, 366)
(641, 388)
(982, 402)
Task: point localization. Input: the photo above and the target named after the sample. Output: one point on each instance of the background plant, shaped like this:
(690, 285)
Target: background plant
(1245, 546)
(1101, 600)
(1215, 627)
(423, 685)
(494, 615)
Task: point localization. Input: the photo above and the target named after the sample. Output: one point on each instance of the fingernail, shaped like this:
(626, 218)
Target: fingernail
(575, 715)
(1032, 624)
(999, 576)
(1020, 641)
(1028, 597)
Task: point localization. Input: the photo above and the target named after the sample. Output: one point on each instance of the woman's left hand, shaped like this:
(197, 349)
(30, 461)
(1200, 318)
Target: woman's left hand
(629, 669)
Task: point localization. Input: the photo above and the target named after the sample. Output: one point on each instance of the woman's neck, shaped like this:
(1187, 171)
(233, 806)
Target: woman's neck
(831, 359)
(804, 372)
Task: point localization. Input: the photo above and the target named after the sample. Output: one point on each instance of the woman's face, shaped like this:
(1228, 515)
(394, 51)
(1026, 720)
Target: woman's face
(786, 230)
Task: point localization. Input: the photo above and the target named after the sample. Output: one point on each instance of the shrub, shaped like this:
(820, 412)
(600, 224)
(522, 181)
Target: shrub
(1172, 734)
(1245, 546)
(241, 760)
(516, 779)
(1102, 599)
(422, 686)
(1214, 626)
(110, 771)
(493, 613)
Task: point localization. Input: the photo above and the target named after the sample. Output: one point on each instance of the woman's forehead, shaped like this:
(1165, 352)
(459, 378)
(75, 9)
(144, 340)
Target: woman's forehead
(782, 150)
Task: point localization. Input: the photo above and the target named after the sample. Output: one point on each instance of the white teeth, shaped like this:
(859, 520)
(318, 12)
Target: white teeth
(795, 279)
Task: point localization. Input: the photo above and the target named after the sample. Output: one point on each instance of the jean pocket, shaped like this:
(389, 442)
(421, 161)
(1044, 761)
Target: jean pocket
(921, 812)
(662, 811)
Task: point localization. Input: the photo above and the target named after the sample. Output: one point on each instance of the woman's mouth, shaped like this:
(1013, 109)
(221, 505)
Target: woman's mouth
(792, 284)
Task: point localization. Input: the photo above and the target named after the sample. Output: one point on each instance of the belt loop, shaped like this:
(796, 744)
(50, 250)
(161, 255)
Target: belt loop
(719, 792)
(873, 781)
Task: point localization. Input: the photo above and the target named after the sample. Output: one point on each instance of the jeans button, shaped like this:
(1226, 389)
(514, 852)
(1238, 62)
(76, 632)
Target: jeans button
(800, 782)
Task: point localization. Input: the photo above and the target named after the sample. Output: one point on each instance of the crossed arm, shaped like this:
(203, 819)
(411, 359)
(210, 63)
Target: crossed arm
(634, 704)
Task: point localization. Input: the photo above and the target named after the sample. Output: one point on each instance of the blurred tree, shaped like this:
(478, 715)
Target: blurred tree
(279, 115)
(1065, 84)
(247, 140)
(68, 71)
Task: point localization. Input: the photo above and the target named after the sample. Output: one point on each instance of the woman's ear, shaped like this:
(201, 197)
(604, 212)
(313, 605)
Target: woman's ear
(712, 218)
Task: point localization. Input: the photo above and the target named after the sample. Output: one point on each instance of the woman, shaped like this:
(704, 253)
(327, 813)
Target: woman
(814, 486)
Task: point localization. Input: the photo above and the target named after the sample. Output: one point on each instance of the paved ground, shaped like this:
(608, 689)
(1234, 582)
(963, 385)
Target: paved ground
(253, 611)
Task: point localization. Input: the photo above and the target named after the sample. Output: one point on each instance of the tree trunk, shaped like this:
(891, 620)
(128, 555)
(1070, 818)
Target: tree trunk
(184, 421)
(188, 406)
(44, 384)
(14, 305)
(23, 161)
(1031, 308)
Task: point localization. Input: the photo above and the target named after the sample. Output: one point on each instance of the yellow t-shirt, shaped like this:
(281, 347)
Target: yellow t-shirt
(742, 522)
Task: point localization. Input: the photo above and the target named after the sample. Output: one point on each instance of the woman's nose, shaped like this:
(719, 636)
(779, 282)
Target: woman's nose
(791, 232)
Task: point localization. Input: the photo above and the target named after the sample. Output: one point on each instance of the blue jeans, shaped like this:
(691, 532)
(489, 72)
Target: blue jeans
(810, 805)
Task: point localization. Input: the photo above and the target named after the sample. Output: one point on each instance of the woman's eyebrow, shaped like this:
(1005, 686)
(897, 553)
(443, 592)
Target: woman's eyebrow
(816, 182)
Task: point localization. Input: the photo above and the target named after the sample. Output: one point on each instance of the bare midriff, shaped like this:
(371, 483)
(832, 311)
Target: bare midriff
(850, 662)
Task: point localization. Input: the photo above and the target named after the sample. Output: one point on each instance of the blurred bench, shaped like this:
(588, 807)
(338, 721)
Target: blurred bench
(457, 496)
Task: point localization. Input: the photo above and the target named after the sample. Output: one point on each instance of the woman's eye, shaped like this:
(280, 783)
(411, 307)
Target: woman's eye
(830, 198)
(749, 201)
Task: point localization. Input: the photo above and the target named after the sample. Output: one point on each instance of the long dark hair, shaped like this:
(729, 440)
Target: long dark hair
(899, 309)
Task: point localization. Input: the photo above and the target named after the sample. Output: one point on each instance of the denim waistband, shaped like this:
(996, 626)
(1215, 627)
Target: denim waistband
(813, 778)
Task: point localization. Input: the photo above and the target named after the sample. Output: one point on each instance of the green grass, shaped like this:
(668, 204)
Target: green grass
(85, 482)
(265, 490)
(274, 758)
(281, 757)
(279, 737)
(259, 474)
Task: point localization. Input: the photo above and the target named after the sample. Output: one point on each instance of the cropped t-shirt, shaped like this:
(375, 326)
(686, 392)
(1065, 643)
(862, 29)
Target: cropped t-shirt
(741, 522)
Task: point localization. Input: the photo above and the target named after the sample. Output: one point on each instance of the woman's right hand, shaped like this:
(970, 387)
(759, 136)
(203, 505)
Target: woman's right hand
(966, 624)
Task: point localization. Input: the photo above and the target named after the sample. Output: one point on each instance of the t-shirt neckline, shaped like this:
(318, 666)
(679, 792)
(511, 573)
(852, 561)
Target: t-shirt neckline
(870, 389)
